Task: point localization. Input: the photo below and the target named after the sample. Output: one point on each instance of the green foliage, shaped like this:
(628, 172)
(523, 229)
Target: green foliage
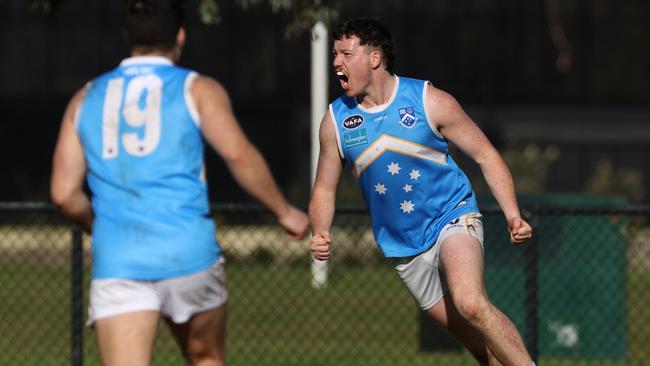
(276, 5)
(529, 166)
(609, 179)
(309, 12)
(302, 14)
(44, 6)
(209, 12)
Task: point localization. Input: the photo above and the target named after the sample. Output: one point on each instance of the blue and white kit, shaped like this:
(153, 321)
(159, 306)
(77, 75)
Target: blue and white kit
(412, 186)
(143, 147)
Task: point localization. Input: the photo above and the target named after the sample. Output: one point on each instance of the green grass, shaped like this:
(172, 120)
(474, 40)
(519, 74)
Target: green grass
(363, 317)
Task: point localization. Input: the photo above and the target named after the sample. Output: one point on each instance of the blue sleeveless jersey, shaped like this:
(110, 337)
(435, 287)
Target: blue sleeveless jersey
(144, 151)
(411, 185)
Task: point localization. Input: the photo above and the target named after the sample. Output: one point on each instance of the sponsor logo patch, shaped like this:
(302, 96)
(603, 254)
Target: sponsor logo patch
(407, 117)
(355, 138)
(353, 122)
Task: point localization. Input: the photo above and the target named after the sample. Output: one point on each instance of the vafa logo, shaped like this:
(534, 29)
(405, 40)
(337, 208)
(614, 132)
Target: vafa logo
(353, 122)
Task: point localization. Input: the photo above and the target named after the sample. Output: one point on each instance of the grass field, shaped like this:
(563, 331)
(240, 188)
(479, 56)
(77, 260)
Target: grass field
(363, 317)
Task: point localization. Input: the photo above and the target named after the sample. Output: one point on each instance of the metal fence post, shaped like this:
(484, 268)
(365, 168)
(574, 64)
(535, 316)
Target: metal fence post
(77, 298)
(531, 305)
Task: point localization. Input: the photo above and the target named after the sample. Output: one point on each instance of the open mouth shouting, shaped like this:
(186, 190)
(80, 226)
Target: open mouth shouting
(343, 79)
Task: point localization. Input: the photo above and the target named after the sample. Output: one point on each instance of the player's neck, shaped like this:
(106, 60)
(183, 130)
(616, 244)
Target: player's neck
(138, 52)
(379, 90)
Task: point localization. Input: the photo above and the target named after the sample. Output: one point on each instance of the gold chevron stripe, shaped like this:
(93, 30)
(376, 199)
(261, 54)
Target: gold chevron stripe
(397, 145)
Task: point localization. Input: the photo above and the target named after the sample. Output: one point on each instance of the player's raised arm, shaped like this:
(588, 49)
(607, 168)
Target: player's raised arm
(323, 198)
(455, 125)
(69, 171)
(221, 129)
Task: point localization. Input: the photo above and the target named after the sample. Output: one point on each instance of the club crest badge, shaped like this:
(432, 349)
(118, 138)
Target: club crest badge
(407, 117)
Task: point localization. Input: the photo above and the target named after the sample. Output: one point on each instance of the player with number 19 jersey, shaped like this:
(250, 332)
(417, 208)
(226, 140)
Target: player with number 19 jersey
(144, 151)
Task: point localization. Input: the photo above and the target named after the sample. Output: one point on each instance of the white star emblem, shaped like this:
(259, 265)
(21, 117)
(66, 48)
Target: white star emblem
(407, 206)
(414, 174)
(393, 168)
(407, 188)
(380, 188)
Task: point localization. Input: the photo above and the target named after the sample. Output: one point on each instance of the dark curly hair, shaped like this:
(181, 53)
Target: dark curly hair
(371, 33)
(152, 24)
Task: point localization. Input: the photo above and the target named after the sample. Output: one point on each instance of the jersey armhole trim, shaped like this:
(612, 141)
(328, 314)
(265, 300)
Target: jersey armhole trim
(336, 130)
(77, 114)
(432, 125)
(189, 101)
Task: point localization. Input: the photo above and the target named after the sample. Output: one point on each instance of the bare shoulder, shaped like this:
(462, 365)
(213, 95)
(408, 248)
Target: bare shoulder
(443, 109)
(74, 103)
(327, 119)
(214, 109)
(79, 95)
(327, 126)
(440, 102)
(203, 86)
(205, 82)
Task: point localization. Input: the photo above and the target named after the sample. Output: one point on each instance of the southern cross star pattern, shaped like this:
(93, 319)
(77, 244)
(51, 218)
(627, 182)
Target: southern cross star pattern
(407, 206)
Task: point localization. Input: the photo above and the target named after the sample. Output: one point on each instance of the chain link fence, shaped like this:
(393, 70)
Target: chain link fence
(579, 293)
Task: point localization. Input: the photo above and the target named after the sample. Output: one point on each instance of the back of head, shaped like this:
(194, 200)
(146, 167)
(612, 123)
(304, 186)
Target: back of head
(370, 33)
(152, 25)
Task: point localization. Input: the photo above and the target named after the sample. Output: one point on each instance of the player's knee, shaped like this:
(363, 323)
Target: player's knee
(200, 353)
(474, 309)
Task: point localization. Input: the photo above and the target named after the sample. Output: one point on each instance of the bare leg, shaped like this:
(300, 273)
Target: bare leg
(202, 338)
(447, 316)
(461, 260)
(127, 339)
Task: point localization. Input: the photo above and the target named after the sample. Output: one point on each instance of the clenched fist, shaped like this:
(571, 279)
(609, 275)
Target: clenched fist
(519, 230)
(320, 245)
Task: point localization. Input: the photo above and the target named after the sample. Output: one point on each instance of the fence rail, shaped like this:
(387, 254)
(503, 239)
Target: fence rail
(579, 293)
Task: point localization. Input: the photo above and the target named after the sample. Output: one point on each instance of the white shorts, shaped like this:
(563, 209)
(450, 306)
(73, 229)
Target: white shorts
(176, 298)
(420, 273)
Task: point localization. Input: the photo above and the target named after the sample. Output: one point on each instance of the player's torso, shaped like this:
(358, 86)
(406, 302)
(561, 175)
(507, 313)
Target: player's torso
(407, 178)
(144, 152)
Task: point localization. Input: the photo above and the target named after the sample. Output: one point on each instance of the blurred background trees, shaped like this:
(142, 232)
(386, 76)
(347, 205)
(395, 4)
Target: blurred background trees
(562, 88)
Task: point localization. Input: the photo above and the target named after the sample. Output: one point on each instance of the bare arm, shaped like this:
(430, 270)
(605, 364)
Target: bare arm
(69, 171)
(322, 205)
(454, 124)
(221, 129)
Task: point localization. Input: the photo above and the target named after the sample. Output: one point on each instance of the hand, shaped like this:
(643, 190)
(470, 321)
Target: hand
(520, 231)
(320, 245)
(294, 222)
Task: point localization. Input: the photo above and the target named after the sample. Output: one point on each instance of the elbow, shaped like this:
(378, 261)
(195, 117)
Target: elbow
(60, 195)
(240, 157)
(58, 198)
(235, 158)
(488, 159)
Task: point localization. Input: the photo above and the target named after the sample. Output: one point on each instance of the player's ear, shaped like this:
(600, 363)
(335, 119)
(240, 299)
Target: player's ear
(180, 37)
(375, 59)
(180, 42)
